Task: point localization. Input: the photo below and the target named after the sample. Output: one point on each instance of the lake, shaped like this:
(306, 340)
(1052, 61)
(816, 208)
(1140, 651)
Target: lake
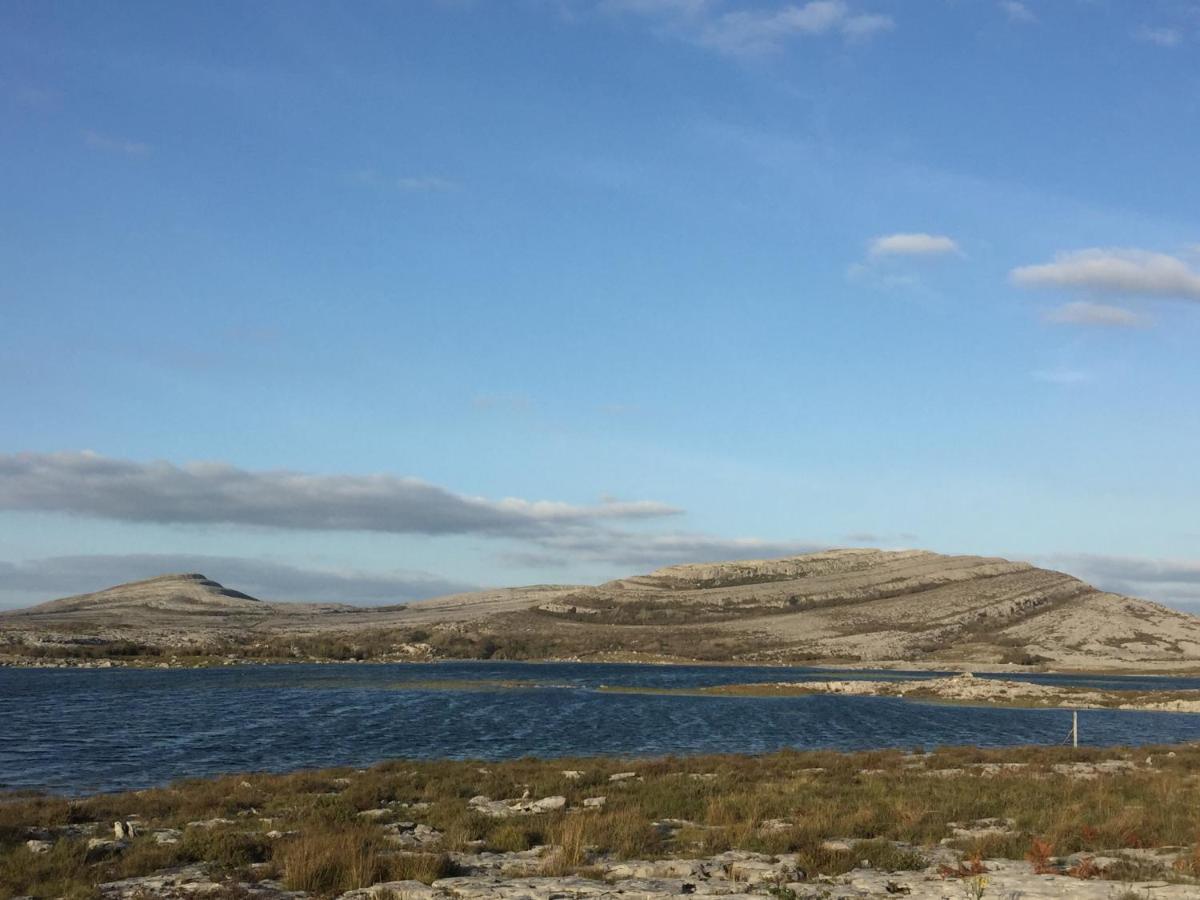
(86, 730)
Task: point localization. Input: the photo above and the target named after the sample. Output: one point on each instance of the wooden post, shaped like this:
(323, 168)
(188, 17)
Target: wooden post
(1075, 728)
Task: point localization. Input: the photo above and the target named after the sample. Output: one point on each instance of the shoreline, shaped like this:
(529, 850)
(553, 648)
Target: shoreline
(933, 667)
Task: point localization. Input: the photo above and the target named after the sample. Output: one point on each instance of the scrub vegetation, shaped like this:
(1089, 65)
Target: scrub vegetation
(307, 830)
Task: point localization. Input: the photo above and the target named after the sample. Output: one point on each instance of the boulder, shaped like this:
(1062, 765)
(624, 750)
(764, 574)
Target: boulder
(503, 809)
(547, 804)
(102, 848)
(410, 890)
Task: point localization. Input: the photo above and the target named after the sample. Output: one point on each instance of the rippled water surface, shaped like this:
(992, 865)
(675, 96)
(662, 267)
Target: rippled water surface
(85, 730)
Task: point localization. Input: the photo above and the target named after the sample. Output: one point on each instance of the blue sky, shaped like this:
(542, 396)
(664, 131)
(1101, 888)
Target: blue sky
(376, 302)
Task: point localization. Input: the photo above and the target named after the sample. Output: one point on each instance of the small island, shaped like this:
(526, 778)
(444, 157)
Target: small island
(964, 688)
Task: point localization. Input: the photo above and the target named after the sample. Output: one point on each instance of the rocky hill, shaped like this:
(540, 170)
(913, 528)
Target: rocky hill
(840, 606)
(186, 594)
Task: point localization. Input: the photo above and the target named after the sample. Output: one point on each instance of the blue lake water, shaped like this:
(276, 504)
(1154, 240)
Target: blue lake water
(86, 730)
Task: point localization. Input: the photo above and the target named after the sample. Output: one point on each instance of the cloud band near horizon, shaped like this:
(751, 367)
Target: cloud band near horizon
(88, 484)
(545, 533)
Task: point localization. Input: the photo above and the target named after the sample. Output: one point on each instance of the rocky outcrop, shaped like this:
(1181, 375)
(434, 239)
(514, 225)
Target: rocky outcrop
(504, 809)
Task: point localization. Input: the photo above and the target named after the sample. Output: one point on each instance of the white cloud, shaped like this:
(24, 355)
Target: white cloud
(913, 244)
(1084, 312)
(1018, 12)
(1118, 270)
(1163, 36)
(108, 144)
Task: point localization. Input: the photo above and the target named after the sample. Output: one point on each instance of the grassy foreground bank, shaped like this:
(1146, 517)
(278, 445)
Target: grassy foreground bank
(309, 830)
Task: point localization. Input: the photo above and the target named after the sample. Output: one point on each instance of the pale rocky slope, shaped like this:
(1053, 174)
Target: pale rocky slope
(850, 606)
(189, 593)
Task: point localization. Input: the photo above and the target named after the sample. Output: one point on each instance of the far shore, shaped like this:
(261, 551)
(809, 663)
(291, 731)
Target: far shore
(206, 660)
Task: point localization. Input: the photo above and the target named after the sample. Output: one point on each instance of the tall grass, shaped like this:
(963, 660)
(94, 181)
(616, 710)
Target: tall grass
(331, 862)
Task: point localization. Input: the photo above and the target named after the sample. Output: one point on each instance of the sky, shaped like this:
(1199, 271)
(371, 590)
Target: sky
(380, 301)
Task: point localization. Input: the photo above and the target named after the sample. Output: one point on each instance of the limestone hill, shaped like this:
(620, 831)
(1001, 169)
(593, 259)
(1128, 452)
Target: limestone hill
(183, 593)
(846, 606)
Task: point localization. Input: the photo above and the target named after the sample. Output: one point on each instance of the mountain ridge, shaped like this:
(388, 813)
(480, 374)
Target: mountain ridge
(845, 606)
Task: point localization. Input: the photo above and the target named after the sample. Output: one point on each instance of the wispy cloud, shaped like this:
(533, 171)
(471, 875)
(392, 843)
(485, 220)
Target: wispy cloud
(886, 252)
(1163, 36)
(914, 243)
(1018, 12)
(1062, 376)
(109, 144)
(737, 31)
(659, 7)
(1084, 312)
(88, 484)
(871, 537)
(866, 26)
(408, 184)
(27, 95)
(871, 276)
(1119, 270)
(648, 551)
(425, 183)
(507, 402)
(32, 581)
